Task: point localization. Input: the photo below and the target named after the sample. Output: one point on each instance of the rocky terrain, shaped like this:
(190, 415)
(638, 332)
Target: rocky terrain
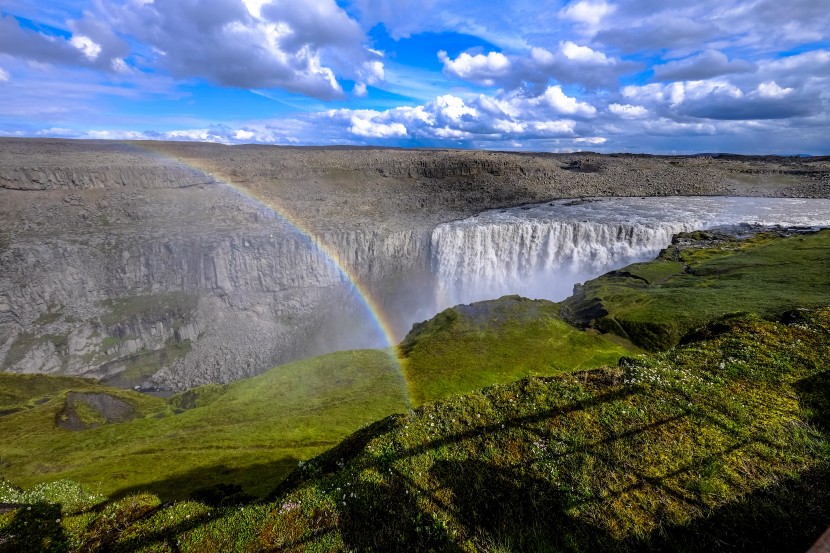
(175, 264)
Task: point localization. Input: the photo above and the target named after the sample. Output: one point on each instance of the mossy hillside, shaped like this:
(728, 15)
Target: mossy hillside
(716, 445)
(252, 438)
(655, 304)
(297, 410)
(19, 392)
(468, 347)
(32, 403)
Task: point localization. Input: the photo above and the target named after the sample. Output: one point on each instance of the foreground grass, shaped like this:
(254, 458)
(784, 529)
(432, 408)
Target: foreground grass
(655, 304)
(468, 347)
(718, 444)
(252, 433)
(721, 444)
(253, 437)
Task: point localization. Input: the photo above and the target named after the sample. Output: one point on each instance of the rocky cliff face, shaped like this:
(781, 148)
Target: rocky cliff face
(143, 264)
(200, 305)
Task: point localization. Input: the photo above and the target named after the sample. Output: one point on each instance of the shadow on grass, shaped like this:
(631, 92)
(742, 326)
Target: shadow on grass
(220, 487)
(252, 479)
(788, 516)
(483, 504)
(34, 528)
(814, 393)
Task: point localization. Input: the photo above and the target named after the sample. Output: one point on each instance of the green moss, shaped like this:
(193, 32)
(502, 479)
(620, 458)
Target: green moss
(708, 446)
(253, 437)
(143, 364)
(654, 305)
(27, 341)
(468, 347)
(124, 309)
(53, 315)
(198, 397)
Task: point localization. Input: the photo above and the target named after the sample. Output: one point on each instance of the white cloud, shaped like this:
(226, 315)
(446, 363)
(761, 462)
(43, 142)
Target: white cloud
(127, 135)
(588, 12)
(721, 100)
(555, 128)
(87, 46)
(300, 47)
(584, 54)
(679, 92)
(359, 90)
(772, 90)
(509, 127)
(371, 129)
(627, 111)
(4, 76)
(502, 117)
(484, 69)
(91, 44)
(564, 104)
(453, 108)
(569, 63)
(591, 140)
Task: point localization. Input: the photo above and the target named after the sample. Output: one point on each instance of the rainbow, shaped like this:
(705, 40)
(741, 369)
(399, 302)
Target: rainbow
(329, 254)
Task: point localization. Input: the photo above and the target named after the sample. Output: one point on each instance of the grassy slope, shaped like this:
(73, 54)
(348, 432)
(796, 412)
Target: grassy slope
(725, 433)
(467, 347)
(253, 432)
(655, 304)
(717, 445)
(252, 437)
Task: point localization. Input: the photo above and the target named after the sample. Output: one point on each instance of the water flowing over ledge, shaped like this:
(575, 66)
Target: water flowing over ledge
(541, 251)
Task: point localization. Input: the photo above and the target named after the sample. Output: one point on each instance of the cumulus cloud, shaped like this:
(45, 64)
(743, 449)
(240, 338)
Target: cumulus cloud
(483, 69)
(627, 111)
(588, 12)
(569, 63)
(772, 90)
(659, 27)
(591, 140)
(89, 44)
(362, 124)
(562, 103)
(503, 117)
(705, 65)
(718, 99)
(300, 47)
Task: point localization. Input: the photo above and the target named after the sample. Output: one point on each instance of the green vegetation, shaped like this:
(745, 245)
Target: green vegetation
(720, 443)
(716, 445)
(292, 412)
(467, 347)
(26, 341)
(252, 438)
(122, 310)
(141, 365)
(655, 304)
(19, 392)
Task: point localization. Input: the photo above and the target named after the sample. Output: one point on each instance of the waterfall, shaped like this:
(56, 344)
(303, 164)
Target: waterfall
(541, 251)
(538, 259)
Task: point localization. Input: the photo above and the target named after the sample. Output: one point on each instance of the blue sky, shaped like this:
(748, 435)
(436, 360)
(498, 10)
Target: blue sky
(602, 75)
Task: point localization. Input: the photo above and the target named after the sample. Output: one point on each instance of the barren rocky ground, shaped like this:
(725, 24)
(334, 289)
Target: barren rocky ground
(136, 262)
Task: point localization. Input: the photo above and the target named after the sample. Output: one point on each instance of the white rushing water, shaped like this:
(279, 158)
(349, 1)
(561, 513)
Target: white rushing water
(541, 251)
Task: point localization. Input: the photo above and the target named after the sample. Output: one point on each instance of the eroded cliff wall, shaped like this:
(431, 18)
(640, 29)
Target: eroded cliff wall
(174, 264)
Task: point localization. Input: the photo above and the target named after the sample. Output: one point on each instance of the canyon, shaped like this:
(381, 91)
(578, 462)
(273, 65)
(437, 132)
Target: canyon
(164, 266)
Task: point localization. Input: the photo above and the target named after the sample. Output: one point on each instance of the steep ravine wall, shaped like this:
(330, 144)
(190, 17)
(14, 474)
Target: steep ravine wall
(138, 263)
(200, 308)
